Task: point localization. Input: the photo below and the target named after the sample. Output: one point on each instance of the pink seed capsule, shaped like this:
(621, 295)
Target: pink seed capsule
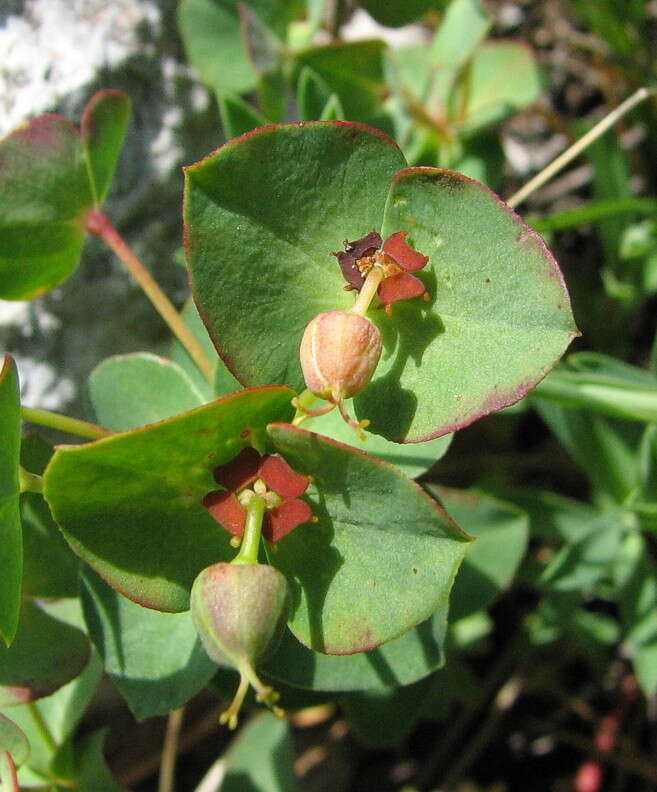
(339, 354)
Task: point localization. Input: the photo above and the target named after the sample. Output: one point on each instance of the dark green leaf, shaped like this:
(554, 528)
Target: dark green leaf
(501, 532)
(103, 129)
(383, 717)
(393, 13)
(594, 213)
(580, 565)
(46, 654)
(45, 196)
(604, 447)
(354, 71)
(128, 391)
(91, 770)
(50, 569)
(238, 117)
(155, 659)
(131, 504)
(312, 95)
(408, 658)
(350, 571)
(11, 547)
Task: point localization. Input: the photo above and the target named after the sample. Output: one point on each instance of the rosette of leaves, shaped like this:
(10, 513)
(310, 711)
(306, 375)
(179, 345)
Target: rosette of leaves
(264, 213)
(52, 174)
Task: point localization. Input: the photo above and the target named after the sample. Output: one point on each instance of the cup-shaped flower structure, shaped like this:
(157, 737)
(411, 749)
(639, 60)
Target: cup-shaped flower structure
(240, 611)
(392, 262)
(269, 476)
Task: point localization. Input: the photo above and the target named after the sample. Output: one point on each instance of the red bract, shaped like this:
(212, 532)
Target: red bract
(395, 257)
(278, 477)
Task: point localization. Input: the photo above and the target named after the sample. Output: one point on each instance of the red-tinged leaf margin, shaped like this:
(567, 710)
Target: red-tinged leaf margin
(189, 171)
(497, 398)
(371, 618)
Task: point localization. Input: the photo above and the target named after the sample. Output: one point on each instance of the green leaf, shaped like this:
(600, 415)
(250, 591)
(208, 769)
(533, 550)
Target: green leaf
(263, 215)
(46, 654)
(636, 575)
(50, 569)
(237, 116)
(11, 547)
(463, 28)
(277, 202)
(412, 656)
(91, 770)
(601, 383)
(501, 531)
(312, 95)
(46, 194)
(508, 310)
(594, 213)
(155, 659)
(580, 565)
(333, 110)
(502, 79)
(411, 458)
(128, 391)
(261, 759)
(604, 447)
(210, 31)
(350, 571)
(354, 71)
(131, 504)
(179, 354)
(393, 13)
(383, 717)
(13, 740)
(103, 129)
(62, 712)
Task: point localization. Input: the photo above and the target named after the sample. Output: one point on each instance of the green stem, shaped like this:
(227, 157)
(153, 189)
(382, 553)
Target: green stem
(42, 726)
(166, 782)
(366, 295)
(64, 424)
(29, 482)
(255, 511)
(99, 224)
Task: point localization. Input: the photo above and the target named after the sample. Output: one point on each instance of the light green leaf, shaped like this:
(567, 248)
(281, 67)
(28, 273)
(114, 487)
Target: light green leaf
(128, 391)
(155, 659)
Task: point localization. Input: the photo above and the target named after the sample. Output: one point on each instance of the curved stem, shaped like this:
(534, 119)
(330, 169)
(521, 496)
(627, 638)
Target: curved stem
(98, 223)
(255, 511)
(169, 751)
(64, 424)
(578, 147)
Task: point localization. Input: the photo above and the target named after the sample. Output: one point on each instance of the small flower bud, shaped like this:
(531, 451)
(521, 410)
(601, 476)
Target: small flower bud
(339, 354)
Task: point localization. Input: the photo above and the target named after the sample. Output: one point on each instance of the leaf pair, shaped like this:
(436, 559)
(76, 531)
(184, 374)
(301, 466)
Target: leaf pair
(51, 176)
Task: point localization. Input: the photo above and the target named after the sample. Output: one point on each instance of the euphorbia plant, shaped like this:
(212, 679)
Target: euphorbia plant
(467, 309)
